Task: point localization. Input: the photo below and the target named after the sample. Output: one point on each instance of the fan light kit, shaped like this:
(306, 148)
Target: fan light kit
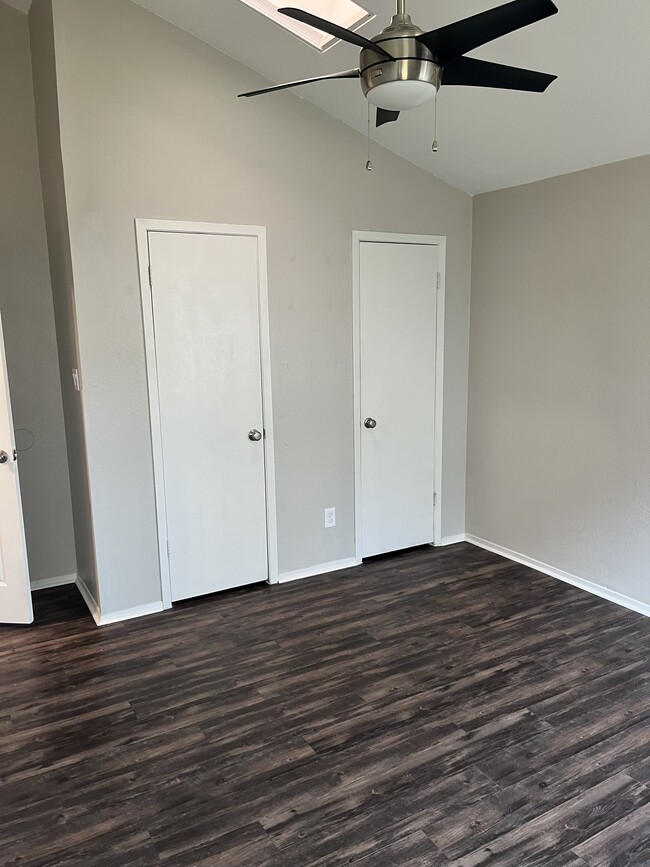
(403, 67)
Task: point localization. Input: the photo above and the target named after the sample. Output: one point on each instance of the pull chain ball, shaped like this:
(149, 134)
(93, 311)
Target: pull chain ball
(434, 146)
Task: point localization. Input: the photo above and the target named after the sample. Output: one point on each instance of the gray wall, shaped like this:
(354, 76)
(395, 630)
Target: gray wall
(559, 421)
(56, 221)
(26, 307)
(151, 128)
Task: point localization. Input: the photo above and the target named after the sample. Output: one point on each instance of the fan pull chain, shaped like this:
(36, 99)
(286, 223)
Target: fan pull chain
(369, 161)
(434, 146)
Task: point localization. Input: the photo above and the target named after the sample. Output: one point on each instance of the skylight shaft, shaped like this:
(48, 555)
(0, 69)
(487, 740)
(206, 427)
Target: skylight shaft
(345, 13)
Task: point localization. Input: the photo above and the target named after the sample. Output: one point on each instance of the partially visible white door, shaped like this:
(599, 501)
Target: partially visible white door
(397, 284)
(205, 290)
(15, 592)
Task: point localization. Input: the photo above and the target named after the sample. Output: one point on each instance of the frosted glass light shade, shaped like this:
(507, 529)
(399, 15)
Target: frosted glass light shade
(401, 95)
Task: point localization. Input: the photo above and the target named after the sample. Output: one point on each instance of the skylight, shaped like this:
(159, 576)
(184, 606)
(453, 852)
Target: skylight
(345, 13)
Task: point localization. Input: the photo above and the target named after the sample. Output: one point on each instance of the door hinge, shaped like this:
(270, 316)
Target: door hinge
(169, 550)
(435, 499)
(150, 278)
(439, 282)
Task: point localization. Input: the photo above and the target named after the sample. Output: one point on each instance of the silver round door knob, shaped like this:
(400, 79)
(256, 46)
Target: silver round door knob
(370, 423)
(254, 436)
(4, 457)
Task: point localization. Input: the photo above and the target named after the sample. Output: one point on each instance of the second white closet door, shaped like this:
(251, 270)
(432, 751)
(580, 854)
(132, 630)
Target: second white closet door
(398, 368)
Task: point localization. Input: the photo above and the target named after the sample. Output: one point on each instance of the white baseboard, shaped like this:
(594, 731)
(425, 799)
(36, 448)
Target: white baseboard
(323, 569)
(130, 614)
(567, 577)
(89, 599)
(56, 581)
(452, 540)
(117, 616)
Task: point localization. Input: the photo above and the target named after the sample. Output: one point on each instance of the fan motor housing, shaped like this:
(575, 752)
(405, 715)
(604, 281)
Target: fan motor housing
(414, 61)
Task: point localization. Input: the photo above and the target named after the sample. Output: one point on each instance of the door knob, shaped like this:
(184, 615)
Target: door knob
(255, 436)
(370, 423)
(4, 457)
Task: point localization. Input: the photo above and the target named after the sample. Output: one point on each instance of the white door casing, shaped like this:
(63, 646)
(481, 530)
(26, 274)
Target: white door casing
(15, 591)
(206, 334)
(399, 322)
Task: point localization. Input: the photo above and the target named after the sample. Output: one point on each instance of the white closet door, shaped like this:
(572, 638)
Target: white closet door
(205, 290)
(15, 591)
(398, 360)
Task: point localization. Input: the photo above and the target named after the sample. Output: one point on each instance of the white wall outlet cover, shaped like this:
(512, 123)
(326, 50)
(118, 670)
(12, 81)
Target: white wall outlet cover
(330, 518)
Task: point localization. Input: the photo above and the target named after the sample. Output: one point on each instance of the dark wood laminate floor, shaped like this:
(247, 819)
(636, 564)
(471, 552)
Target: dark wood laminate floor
(439, 707)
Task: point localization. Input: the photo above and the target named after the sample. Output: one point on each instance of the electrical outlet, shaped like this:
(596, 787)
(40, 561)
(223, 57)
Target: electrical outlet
(330, 518)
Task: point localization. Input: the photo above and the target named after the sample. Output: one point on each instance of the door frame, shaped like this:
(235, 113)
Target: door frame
(143, 227)
(438, 333)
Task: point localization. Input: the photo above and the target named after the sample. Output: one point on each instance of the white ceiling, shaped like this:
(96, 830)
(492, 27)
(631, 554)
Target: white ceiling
(597, 112)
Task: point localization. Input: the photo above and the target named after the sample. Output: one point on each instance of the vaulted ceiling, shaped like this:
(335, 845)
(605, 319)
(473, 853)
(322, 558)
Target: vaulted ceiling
(597, 112)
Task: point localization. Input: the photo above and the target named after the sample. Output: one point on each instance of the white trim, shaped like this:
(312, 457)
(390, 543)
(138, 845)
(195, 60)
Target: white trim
(439, 241)
(567, 577)
(439, 388)
(267, 413)
(89, 599)
(142, 236)
(117, 616)
(56, 581)
(323, 569)
(142, 228)
(130, 614)
(452, 540)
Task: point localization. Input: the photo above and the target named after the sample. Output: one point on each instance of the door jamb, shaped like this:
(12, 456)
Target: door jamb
(439, 241)
(143, 227)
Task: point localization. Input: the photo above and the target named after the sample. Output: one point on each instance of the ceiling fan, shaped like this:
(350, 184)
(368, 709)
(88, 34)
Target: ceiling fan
(404, 67)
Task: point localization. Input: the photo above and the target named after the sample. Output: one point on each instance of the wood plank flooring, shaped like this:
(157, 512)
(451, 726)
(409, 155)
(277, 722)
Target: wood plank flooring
(438, 708)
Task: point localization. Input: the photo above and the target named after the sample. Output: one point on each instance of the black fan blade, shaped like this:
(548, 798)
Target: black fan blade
(385, 116)
(333, 29)
(448, 43)
(480, 73)
(349, 73)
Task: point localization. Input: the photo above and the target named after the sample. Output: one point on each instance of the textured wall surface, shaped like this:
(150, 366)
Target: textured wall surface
(56, 221)
(27, 312)
(151, 128)
(559, 404)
